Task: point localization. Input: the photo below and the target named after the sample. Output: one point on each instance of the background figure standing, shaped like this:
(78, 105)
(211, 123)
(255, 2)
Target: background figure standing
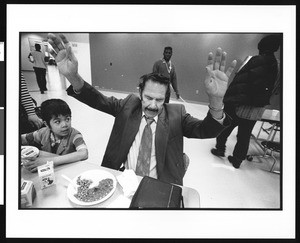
(252, 86)
(165, 67)
(39, 59)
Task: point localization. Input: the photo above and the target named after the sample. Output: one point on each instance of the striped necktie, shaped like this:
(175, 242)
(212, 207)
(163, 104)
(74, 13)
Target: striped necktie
(144, 157)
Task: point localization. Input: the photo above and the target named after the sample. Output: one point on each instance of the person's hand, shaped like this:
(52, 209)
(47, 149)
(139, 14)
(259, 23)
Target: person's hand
(216, 79)
(65, 59)
(35, 121)
(31, 165)
(30, 60)
(62, 52)
(177, 96)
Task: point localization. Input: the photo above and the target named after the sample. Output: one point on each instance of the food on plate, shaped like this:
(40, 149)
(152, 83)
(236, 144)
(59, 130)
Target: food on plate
(86, 194)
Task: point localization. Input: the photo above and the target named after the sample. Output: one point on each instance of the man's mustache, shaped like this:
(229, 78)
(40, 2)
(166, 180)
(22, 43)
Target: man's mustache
(153, 110)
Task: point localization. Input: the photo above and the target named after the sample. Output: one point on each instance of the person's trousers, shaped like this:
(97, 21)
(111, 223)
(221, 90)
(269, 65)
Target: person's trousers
(168, 95)
(40, 74)
(245, 128)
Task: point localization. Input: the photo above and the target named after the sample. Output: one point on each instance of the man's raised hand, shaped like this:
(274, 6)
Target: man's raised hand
(66, 61)
(216, 79)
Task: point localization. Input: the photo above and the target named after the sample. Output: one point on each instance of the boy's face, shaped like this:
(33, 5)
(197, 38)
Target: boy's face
(61, 125)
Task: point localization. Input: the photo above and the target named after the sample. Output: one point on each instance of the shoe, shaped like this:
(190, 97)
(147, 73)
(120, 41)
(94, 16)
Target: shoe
(217, 152)
(236, 163)
(42, 92)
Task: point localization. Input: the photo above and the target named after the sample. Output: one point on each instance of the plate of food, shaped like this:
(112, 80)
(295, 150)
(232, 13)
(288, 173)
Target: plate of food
(92, 187)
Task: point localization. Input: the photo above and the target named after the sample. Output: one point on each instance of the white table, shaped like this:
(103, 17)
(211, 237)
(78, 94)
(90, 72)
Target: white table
(56, 196)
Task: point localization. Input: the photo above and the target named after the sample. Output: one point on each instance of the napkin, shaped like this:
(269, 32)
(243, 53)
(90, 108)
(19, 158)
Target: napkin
(129, 182)
(120, 202)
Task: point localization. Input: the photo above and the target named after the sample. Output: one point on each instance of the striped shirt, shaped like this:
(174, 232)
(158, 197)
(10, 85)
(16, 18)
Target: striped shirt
(44, 137)
(26, 100)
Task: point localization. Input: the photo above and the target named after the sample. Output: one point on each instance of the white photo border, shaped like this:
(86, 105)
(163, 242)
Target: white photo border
(156, 224)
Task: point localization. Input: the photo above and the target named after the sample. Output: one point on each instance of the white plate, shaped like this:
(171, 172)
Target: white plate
(95, 176)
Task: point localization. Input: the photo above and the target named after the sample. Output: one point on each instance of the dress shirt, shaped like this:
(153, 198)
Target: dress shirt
(222, 119)
(134, 150)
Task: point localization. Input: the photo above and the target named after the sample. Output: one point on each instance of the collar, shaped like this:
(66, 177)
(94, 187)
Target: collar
(53, 140)
(168, 65)
(164, 61)
(63, 141)
(155, 118)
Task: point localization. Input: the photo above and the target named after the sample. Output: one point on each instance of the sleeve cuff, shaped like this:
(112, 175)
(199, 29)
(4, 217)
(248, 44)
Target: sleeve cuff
(222, 119)
(76, 92)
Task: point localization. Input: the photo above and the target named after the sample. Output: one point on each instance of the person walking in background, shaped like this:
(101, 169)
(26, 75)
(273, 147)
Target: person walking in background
(39, 60)
(165, 68)
(29, 120)
(252, 86)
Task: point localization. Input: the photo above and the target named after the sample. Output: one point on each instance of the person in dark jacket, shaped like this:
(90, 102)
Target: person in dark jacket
(252, 86)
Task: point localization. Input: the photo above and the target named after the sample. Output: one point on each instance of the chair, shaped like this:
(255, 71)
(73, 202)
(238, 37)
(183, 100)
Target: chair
(272, 147)
(271, 131)
(269, 146)
(186, 162)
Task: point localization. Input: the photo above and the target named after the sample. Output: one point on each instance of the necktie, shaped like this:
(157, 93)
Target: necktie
(143, 160)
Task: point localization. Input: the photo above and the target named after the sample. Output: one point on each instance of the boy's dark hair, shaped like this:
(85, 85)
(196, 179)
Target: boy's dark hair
(168, 48)
(53, 108)
(155, 77)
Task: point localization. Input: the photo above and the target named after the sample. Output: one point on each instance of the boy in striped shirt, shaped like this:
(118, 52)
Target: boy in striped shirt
(58, 141)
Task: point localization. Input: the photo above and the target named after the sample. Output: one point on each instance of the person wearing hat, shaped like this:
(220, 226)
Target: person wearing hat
(251, 86)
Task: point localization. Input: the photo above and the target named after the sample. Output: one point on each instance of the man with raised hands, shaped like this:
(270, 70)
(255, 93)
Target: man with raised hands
(161, 156)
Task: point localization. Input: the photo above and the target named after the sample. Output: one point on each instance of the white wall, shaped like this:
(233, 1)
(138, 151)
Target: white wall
(81, 47)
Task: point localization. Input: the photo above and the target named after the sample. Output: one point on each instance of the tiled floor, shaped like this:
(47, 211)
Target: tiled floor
(218, 183)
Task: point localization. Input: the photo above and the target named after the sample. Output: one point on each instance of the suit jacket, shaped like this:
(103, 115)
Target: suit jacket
(254, 83)
(173, 123)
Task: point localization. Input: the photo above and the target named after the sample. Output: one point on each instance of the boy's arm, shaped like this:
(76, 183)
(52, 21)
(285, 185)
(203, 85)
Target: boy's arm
(23, 139)
(31, 138)
(79, 155)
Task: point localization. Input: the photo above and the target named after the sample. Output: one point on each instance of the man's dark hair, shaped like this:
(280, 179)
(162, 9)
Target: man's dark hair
(52, 108)
(168, 48)
(155, 77)
(37, 47)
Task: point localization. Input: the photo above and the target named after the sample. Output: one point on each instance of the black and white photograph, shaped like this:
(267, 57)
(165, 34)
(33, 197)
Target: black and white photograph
(250, 157)
(129, 121)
